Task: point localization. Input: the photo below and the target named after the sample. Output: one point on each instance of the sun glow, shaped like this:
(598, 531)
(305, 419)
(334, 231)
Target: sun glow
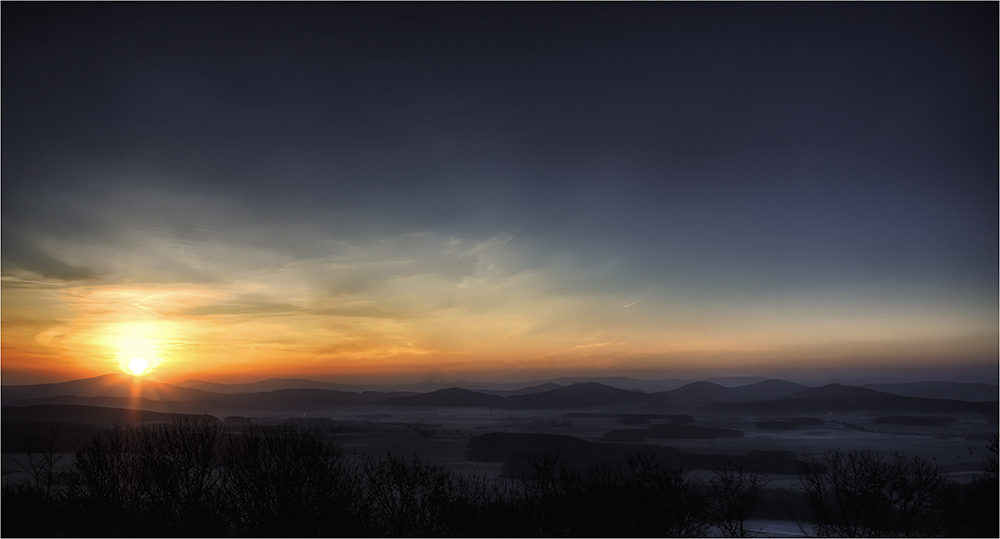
(137, 365)
(138, 347)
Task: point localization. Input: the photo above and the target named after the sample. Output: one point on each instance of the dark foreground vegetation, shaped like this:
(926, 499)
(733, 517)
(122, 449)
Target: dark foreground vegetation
(198, 478)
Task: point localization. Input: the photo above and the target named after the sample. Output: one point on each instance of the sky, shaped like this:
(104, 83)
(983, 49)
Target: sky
(498, 192)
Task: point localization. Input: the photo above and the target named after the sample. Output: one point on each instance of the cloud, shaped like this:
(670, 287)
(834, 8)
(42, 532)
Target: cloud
(17, 254)
(245, 305)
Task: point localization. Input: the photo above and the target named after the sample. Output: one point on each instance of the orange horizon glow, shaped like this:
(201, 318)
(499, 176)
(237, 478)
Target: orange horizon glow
(274, 324)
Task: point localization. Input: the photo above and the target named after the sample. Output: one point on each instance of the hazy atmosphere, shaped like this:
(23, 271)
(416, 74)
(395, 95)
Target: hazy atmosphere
(383, 193)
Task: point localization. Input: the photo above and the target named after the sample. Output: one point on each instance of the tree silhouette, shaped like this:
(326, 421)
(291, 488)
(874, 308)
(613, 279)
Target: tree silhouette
(734, 491)
(406, 496)
(864, 494)
(196, 477)
(288, 481)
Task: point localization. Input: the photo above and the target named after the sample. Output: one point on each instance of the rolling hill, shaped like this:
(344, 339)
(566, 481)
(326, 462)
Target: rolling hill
(701, 393)
(455, 397)
(579, 395)
(272, 384)
(780, 396)
(523, 391)
(90, 415)
(107, 385)
(941, 390)
(839, 398)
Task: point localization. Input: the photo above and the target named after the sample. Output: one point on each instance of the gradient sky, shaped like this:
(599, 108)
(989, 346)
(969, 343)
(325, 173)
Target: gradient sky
(501, 192)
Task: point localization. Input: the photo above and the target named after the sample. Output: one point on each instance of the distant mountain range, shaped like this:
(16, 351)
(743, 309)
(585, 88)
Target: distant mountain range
(271, 384)
(771, 396)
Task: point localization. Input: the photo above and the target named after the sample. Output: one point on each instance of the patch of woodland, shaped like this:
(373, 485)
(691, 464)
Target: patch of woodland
(645, 419)
(916, 421)
(790, 424)
(517, 450)
(671, 431)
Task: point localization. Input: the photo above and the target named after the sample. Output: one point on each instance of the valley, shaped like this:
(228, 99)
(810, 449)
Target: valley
(698, 419)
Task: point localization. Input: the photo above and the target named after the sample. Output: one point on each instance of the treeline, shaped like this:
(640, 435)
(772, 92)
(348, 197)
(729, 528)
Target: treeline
(196, 478)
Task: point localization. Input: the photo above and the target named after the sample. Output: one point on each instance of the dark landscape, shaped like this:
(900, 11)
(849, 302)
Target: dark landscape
(471, 462)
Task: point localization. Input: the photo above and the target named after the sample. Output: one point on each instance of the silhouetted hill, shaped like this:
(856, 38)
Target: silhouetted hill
(839, 391)
(580, 395)
(915, 420)
(283, 400)
(450, 397)
(735, 381)
(694, 394)
(619, 382)
(523, 391)
(304, 399)
(115, 402)
(700, 393)
(700, 389)
(670, 431)
(90, 415)
(34, 436)
(839, 398)
(107, 385)
(941, 390)
(273, 384)
(765, 390)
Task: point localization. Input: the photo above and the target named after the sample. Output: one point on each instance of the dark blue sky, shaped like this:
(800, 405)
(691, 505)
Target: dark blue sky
(735, 169)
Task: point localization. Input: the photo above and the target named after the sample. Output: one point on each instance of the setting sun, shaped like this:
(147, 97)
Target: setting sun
(137, 365)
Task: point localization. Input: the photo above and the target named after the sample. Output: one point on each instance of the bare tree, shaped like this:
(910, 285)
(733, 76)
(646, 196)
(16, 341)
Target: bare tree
(406, 496)
(990, 463)
(286, 480)
(114, 486)
(184, 467)
(734, 492)
(864, 494)
(43, 463)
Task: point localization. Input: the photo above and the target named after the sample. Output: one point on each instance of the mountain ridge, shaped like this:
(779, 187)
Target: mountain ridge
(777, 394)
